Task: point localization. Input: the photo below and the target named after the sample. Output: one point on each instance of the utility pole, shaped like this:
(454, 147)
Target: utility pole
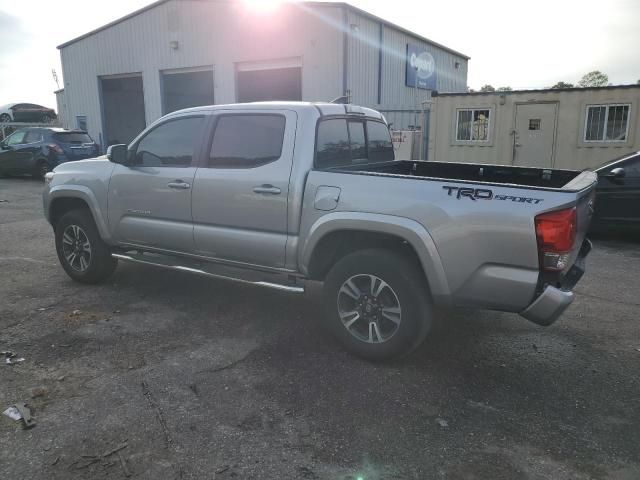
(55, 77)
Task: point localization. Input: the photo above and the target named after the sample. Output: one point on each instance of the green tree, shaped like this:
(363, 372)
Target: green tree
(594, 79)
(487, 88)
(504, 89)
(563, 85)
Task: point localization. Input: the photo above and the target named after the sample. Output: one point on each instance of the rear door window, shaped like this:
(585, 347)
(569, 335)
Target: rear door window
(73, 137)
(247, 141)
(380, 146)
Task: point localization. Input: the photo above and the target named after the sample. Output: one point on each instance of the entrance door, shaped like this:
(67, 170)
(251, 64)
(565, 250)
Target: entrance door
(122, 108)
(534, 134)
(272, 80)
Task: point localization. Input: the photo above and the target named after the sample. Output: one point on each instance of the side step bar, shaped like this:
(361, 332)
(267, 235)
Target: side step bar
(201, 271)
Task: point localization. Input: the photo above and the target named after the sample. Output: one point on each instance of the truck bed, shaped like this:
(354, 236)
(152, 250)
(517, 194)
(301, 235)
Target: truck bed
(528, 177)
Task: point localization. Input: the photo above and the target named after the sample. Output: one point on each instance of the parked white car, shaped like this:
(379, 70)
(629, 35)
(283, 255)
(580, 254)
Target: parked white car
(26, 112)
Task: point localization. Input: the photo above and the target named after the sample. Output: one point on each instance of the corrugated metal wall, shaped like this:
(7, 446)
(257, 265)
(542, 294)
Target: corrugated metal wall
(372, 45)
(208, 33)
(222, 33)
(376, 69)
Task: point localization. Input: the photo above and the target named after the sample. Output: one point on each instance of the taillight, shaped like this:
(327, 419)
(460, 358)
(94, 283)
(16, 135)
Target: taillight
(556, 234)
(55, 148)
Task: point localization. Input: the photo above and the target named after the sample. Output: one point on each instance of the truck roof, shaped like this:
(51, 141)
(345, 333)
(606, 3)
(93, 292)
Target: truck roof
(323, 108)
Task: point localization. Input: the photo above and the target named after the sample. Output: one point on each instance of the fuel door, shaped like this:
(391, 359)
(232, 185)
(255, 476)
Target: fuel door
(327, 198)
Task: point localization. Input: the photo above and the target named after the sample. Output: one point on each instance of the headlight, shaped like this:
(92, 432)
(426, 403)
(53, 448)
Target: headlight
(48, 177)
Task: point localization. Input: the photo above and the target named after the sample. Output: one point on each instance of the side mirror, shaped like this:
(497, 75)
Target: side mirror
(118, 154)
(616, 174)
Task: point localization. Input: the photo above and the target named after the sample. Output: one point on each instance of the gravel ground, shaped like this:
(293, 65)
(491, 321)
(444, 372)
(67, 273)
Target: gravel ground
(204, 379)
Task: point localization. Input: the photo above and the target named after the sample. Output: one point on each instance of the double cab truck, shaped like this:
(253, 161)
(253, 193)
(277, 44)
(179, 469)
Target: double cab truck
(277, 194)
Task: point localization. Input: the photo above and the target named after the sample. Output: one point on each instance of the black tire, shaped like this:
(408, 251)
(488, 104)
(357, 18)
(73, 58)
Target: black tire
(5, 118)
(99, 264)
(407, 287)
(42, 167)
(46, 118)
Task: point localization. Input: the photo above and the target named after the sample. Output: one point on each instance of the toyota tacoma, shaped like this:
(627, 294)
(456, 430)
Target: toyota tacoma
(276, 194)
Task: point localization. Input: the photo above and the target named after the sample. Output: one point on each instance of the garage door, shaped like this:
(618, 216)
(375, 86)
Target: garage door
(122, 108)
(265, 81)
(186, 88)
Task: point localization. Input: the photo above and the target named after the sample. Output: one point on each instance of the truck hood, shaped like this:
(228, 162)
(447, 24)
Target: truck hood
(86, 165)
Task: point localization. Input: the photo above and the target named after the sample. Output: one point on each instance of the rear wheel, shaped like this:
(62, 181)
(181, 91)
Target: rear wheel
(81, 251)
(377, 304)
(46, 118)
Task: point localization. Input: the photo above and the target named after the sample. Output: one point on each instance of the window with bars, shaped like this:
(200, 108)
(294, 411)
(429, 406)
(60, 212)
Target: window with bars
(473, 125)
(606, 123)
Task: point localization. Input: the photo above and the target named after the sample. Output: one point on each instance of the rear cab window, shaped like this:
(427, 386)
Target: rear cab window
(72, 137)
(344, 142)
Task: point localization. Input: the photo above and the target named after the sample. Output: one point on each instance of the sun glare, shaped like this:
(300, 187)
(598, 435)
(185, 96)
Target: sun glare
(263, 6)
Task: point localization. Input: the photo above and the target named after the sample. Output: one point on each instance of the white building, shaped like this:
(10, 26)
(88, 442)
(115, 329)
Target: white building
(573, 128)
(180, 53)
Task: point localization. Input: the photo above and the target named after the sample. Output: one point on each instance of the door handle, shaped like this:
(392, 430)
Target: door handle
(268, 189)
(179, 185)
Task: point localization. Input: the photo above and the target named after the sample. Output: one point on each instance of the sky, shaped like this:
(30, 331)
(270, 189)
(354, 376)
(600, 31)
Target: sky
(521, 44)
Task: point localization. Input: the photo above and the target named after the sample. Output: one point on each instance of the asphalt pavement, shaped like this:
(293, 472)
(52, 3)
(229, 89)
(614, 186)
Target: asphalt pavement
(191, 378)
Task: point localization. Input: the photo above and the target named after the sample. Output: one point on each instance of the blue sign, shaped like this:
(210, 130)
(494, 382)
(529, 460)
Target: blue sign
(421, 68)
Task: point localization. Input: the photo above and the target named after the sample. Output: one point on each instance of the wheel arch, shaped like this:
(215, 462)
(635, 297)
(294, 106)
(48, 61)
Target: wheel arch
(337, 234)
(61, 201)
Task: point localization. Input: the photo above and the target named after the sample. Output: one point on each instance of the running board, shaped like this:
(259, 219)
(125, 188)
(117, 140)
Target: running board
(166, 262)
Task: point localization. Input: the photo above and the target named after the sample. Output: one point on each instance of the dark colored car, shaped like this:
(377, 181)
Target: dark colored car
(618, 193)
(37, 150)
(26, 112)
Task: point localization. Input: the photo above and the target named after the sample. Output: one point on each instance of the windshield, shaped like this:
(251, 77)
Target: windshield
(604, 165)
(73, 137)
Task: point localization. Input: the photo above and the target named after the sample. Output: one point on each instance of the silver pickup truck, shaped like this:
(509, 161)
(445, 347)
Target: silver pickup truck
(277, 194)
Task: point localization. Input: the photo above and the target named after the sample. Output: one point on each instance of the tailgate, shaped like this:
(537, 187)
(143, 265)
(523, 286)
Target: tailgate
(584, 213)
(76, 145)
(79, 152)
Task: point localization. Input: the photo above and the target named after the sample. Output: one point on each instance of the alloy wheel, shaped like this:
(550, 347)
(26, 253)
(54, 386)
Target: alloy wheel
(76, 248)
(369, 308)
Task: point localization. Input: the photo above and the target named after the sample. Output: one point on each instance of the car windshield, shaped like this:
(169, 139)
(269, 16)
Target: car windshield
(604, 165)
(73, 137)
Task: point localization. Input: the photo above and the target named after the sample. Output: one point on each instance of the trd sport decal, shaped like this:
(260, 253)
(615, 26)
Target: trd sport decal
(486, 194)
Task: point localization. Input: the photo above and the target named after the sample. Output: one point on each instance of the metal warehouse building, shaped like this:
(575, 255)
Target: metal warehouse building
(175, 54)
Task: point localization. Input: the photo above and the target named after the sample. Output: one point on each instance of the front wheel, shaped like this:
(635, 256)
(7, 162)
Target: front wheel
(378, 304)
(81, 251)
(5, 118)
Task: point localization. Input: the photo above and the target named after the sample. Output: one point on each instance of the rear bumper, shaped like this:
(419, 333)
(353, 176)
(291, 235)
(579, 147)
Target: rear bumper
(553, 301)
(546, 309)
